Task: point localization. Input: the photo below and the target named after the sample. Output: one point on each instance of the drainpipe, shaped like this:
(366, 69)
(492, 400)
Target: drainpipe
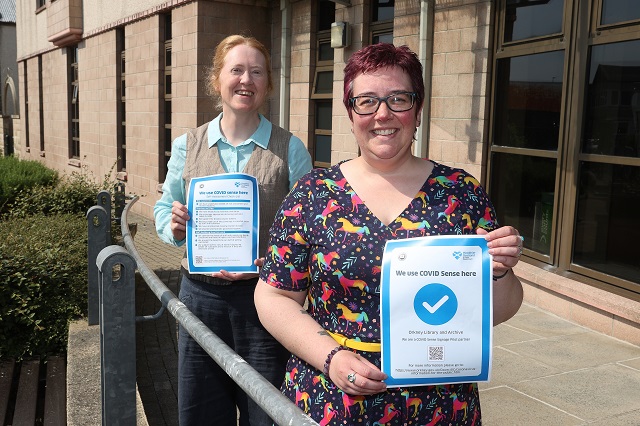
(285, 63)
(425, 53)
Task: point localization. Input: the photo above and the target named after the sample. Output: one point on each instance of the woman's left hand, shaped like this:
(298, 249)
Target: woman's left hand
(234, 276)
(505, 245)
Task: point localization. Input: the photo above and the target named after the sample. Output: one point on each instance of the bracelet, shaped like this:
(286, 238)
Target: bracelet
(325, 369)
(497, 277)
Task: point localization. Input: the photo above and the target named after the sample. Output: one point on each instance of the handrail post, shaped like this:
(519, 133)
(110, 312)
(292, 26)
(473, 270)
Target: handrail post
(97, 226)
(117, 336)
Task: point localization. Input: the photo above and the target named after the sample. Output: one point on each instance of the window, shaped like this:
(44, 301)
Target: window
(74, 103)
(40, 4)
(165, 105)
(564, 164)
(381, 28)
(121, 112)
(322, 89)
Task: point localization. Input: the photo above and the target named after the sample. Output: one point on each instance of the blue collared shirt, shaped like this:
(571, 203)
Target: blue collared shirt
(233, 158)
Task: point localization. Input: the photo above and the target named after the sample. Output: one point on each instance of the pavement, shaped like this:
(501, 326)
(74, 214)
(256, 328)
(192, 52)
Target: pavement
(546, 370)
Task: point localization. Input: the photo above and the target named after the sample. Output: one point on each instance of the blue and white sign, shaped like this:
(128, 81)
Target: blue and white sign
(222, 233)
(436, 310)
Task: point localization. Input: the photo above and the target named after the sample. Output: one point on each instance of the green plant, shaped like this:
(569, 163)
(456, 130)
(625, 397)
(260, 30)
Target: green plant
(43, 261)
(18, 175)
(44, 275)
(74, 193)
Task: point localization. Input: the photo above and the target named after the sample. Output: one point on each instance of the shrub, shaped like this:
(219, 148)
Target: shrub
(44, 275)
(43, 260)
(74, 193)
(18, 175)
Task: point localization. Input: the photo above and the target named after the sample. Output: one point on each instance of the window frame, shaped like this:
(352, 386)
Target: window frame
(580, 32)
(74, 103)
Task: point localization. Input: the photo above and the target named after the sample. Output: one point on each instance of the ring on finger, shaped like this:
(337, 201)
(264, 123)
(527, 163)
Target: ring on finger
(351, 377)
(519, 251)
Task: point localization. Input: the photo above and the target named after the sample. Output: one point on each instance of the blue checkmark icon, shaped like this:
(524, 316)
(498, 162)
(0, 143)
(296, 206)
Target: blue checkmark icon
(435, 304)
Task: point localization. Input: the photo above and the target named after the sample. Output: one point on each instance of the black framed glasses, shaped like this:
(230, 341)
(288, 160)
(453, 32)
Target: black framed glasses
(398, 102)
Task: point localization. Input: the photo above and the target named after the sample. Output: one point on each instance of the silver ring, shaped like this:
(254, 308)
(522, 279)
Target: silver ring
(351, 377)
(519, 251)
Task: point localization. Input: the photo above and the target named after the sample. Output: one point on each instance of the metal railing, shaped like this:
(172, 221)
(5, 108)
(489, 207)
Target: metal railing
(112, 305)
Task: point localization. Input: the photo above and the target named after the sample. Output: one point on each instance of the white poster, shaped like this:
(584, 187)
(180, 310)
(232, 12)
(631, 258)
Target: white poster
(436, 310)
(222, 233)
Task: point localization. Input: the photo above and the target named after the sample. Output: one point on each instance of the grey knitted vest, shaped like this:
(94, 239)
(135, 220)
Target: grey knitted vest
(269, 166)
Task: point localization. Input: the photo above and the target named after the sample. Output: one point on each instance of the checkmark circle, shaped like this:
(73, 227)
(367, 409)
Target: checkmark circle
(435, 304)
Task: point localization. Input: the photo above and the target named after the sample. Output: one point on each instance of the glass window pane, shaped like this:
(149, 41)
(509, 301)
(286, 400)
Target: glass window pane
(167, 57)
(167, 27)
(612, 116)
(383, 10)
(167, 84)
(123, 158)
(322, 149)
(167, 142)
(323, 115)
(606, 195)
(614, 11)
(522, 191)
(527, 19)
(528, 101)
(167, 112)
(325, 52)
(324, 82)
(382, 38)
(326, 14)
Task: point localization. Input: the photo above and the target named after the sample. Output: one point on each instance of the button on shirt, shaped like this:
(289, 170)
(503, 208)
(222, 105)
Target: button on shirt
(233, 159)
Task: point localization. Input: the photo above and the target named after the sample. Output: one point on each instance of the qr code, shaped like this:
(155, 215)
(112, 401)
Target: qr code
(198, 259)
(436, 353)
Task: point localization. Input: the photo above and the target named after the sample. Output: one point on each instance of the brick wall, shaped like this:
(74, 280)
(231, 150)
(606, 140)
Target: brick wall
(98, 128)
(302, 53)
(33, 107)
(19, 145)
(142, 45)
(343, 144)
(186, 71)
(62, 16)
(56, 110)
(460, 58)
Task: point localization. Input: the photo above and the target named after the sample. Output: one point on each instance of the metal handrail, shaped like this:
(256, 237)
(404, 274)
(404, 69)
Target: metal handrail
(267, 396)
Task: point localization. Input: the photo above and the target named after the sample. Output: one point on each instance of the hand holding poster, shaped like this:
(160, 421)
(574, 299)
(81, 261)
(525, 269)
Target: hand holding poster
(222, 233)
(436, 310)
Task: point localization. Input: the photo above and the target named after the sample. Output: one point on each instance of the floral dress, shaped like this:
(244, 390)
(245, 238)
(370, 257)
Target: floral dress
(324, 240)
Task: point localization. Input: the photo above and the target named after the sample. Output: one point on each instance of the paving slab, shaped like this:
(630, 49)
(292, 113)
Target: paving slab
(592, 394)
(575, 351)
(543, 324)
(510, 367)
(503, 406)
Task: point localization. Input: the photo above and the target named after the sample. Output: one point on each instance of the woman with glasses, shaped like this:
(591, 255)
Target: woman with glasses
(329, 253)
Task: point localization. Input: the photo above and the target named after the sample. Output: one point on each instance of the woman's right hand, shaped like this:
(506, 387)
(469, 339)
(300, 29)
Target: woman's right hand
(368, 378)
(179, 218)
